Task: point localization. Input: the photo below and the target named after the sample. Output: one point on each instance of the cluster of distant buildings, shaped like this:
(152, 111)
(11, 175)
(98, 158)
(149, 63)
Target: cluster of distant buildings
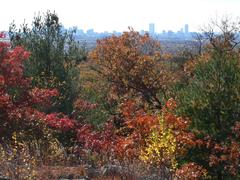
(90, 36)
(182, 34)
(152, 29)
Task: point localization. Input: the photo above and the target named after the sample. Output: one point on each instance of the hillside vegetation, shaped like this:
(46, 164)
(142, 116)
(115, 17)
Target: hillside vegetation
(123, 110)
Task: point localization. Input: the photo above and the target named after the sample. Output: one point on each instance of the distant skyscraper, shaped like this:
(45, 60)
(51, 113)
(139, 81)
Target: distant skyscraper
(151, 28)
(186, 28)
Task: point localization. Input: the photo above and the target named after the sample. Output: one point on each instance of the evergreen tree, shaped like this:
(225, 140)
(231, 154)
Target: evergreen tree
(54, 57)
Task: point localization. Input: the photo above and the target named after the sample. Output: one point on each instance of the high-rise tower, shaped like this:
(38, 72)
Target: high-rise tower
(186, 29)
(151, 28)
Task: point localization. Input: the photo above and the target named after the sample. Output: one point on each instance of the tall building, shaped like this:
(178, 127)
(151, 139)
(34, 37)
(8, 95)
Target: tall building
(186, 28)
(151, 28)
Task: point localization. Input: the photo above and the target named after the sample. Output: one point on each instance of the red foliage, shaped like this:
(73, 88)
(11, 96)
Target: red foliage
(109, 140)
(100, 142)
(12, 67)
(128, 141)
(43, 96)
(18, 99)
(59, 121)
(138, 119)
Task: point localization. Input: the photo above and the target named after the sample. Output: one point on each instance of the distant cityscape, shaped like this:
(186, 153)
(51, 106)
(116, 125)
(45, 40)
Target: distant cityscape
(182, 34)
(168, 38)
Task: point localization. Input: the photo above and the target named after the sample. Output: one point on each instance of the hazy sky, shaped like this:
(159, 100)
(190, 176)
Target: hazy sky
(119, 14)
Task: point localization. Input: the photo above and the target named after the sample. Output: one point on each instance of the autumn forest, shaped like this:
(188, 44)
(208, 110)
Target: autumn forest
(122, 110)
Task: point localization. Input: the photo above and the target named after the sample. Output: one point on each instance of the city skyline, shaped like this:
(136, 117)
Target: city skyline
(151, 30)
(110, 15)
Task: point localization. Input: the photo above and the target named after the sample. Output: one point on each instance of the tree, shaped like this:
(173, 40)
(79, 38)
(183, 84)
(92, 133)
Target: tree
(156, 140)
(131, 63)
(94, 89)
(54, 57)
(211, 98)
(20, 118)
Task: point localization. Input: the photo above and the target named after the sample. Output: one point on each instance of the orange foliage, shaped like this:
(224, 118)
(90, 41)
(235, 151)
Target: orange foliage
(131, 63)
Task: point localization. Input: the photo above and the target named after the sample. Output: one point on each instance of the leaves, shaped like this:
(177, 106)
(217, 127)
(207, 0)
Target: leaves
(168, 140)
(18, 100)
(131, 63)
(54, 57)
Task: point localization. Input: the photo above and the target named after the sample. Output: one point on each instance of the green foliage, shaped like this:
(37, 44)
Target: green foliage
(94, 90)
(54, 57)
(98, 115)
(212, 98)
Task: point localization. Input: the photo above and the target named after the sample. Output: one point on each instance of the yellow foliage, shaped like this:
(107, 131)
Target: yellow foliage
(161, 146)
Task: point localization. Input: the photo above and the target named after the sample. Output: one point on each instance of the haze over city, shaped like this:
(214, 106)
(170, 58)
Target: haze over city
(115, 15)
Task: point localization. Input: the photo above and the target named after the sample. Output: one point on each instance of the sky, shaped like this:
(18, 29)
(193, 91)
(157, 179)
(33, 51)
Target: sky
(109, 15)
